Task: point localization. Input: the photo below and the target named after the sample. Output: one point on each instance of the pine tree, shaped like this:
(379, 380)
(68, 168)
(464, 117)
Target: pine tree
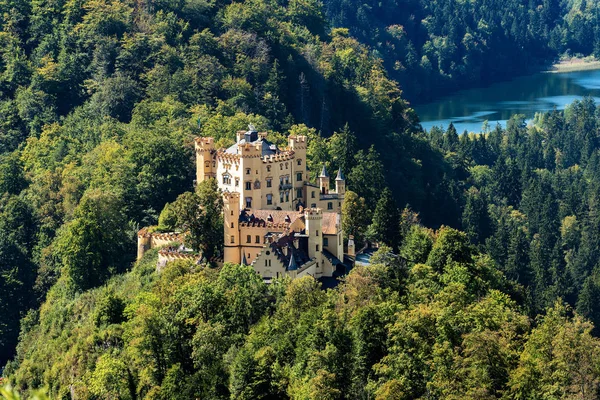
(343, 149)
(386, 221)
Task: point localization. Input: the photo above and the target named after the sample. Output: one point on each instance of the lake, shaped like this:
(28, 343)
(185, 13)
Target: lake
(527, 95)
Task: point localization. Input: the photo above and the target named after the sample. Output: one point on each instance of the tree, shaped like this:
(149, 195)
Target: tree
(342, 146)
(199, 215)
(475, 218)
(450, 246)
(367, 178)
(355, 218)
(559, 360)
(17, 271)
(12, 179)
(385, 227)
(97, 242)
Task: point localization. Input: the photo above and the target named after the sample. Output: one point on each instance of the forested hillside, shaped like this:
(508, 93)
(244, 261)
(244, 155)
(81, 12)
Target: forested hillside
(435, 46)
(531, 201)
(99, 103)
(440, 327)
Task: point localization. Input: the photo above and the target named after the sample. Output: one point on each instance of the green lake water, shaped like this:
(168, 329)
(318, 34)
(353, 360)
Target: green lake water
(527, 95)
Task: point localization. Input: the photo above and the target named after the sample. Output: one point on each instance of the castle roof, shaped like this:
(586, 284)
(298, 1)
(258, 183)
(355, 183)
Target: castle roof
(340, 176)
(293, 257)
(274, 216)
(281, 218)
(252, 138)
(329, 224)
(324, 173)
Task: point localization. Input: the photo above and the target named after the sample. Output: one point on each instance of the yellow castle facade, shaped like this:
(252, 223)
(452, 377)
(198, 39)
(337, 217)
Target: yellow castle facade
(275, 219)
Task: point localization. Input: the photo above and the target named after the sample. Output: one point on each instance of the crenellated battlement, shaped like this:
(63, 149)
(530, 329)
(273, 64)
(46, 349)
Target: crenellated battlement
(204, 143)
(227, 157)
(265, 224)
(313, 213)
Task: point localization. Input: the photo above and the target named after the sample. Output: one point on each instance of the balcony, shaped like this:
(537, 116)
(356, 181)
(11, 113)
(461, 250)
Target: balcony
(285, 186)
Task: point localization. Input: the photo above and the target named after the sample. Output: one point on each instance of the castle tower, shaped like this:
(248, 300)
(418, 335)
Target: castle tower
(231, 221)
(324, 180)
(340, 183)
(351, 246)
(144, 243)
(313, 218)
(205, 159)
(297, 144)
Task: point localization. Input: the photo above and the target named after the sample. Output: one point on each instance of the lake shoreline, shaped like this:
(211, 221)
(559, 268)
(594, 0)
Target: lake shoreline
(526, 95)
(574, 65)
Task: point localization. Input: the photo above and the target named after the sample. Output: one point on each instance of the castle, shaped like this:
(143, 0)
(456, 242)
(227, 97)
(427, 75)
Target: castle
(275, 219)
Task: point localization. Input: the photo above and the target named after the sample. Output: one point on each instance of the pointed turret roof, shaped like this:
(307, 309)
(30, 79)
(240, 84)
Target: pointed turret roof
(324, 173)
(340, 176)
(244, 261)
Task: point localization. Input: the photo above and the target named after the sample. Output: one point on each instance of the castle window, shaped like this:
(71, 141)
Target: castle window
(257, 239)
(268, 168)
(299, 162)
(299, 177)
(286, 165)
(257, 184)
(214, 164)
(313, 205)
(231, 212)
(317, 247)
(207, 164)
(317, 232)
(266, 263)
(299, 193)
(312, 194)
(339, 203)
(269, 199)
(232, 224)
(287, 195)
(287, 179)
(237, 182)
(281, 166)
(248, 185)
(281, 197)
(226, 179)
(325, 241)
(268, 253)
(248, 170)
(269, 182)
(270, 265)
(248, 202)
(248, 239)
(330, 206)
(232, 239)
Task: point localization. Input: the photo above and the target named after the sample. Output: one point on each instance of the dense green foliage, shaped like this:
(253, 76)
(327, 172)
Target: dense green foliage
(443, 329)
(433, 46)
(530, 200)
(100, 101)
